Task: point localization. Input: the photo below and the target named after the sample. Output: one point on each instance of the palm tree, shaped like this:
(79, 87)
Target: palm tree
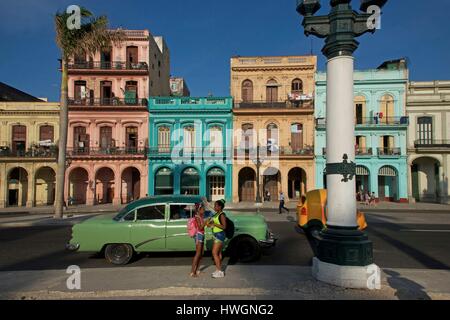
(92, 35)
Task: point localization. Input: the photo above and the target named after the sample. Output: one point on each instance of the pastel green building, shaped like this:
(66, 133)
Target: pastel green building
(381, 130)
(190, 146)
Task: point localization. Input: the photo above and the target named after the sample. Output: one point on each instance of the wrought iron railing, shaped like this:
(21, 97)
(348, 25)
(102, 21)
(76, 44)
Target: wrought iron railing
(431, 143)
(389, 151)
(386, 121)
(108, 102)
(109, 65)
(34, 152)
(280, 104)
(107, 151)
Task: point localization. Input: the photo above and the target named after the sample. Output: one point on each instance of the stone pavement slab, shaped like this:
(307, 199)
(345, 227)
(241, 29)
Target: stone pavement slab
(241, 282)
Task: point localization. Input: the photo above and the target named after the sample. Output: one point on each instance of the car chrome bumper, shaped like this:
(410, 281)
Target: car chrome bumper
(72, 246)
(270, 241)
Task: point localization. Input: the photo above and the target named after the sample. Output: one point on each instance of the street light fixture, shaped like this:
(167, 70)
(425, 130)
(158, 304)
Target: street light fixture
(258, 163)
(344, 254)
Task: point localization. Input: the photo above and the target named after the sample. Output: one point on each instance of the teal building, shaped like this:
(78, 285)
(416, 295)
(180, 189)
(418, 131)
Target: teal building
(190, 146)
(381, 130)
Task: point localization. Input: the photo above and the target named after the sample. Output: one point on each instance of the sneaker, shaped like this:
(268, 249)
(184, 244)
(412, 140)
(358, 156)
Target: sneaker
(218, 274)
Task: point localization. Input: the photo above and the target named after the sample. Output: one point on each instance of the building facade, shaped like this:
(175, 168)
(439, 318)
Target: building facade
(108, 118)
(28, 139)
(190, 147)
(274, 126)
(428, 108)
(179, 87)
(381, 129)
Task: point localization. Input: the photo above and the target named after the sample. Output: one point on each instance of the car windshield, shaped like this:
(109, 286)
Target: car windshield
(121, 213)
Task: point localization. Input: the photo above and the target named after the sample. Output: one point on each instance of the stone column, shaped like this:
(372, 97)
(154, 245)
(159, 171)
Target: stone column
(31, 188)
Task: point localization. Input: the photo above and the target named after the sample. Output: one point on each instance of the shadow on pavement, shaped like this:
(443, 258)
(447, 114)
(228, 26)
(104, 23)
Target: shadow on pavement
(406, 289)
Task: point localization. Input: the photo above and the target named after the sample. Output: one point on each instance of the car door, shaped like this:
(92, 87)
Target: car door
(176, 231)
(148, 231)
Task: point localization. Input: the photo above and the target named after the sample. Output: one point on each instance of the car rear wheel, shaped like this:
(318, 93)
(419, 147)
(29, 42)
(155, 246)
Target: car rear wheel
(119, 254)
(247, 249)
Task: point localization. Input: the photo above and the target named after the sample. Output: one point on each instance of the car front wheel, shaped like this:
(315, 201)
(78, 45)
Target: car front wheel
(247, 250)
(119, 254)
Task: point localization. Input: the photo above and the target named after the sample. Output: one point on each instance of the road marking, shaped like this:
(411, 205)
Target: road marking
(418, 230)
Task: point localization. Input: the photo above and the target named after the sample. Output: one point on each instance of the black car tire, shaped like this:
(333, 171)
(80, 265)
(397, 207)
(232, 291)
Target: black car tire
(119, 254)
(247, 250)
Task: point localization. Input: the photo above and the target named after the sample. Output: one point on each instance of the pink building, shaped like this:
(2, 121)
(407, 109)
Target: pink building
(108, 118)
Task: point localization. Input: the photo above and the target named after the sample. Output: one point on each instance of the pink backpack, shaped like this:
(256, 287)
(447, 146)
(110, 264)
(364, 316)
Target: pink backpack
(192, 227)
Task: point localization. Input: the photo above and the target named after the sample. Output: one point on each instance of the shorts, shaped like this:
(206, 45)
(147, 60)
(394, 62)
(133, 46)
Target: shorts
(199, 237)
(219, 236)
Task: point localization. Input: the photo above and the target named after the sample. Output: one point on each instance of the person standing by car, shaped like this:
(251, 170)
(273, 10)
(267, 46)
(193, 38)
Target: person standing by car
(282, 203)
(218, 223)
(199, 238)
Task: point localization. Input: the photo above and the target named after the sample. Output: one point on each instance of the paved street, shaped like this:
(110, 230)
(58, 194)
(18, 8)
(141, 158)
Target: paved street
(400, 240)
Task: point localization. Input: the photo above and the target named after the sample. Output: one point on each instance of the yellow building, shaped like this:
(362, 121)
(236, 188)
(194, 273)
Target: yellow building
(273, 109)
(28, 139)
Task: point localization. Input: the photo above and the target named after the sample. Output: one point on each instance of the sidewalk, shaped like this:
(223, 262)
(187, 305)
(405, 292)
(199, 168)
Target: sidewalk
(241, 282)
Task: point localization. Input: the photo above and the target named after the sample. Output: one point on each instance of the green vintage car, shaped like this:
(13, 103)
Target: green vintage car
(159, 224)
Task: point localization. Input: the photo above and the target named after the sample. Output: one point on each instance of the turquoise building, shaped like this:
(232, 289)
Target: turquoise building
(381, 130)
(190, 146)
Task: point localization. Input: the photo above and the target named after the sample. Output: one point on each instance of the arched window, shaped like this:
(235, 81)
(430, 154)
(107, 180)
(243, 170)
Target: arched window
(272, 138)
(247, 91)
(386, 109)
(131, 92)
(215, 139)
(296, 137)
(164, 139)
(272, 91)
(189, 139)
(190, 182)
(164, 181)
(297, 86)
(46, 133)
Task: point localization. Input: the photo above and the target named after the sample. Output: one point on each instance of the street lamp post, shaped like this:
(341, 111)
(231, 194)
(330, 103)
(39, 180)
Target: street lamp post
(258, 163)
(345, 254)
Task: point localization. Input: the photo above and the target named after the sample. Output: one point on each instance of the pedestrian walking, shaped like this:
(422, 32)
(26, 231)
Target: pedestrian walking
(373, 199)
(282, 203)
(366, 198)
(218, 223)
(200, 223)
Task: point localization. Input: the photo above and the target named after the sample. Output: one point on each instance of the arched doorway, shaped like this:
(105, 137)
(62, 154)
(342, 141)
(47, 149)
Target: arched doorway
(190, 182)
(247, 184)
(296, 183)
(271, 180)
(131, 185)
(362, 179)
(425, 179)
(216, 184)
(164, 181)
(45, 186)
(78, 184)
(18, 187)
(104, 186)
(247, 91)
(388, 184)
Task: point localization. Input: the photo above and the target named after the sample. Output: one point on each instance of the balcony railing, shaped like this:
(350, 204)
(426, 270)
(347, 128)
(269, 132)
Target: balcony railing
(394, 152)
(114, 65)
(35, 152)
(108, 102)
(266, 151)
(110, 151)
(281, 104)
(359, 152)
(431, 143)
(187, 153)
(387, 121)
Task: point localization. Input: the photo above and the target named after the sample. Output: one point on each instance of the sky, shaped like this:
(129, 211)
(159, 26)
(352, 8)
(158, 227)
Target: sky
(202, 35)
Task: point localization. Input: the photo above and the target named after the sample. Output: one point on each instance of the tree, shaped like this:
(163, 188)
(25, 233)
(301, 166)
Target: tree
(92, 35)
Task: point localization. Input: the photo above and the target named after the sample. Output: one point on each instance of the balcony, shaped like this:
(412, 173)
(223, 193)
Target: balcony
(274, 152)
(372, 122)
(359, 152)
(106, 152)
(114, 66)
(108, 102)
(191, 104)
(188, 154)
(432, 144)
(281, 104)
(37, 152)
(389, 152)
